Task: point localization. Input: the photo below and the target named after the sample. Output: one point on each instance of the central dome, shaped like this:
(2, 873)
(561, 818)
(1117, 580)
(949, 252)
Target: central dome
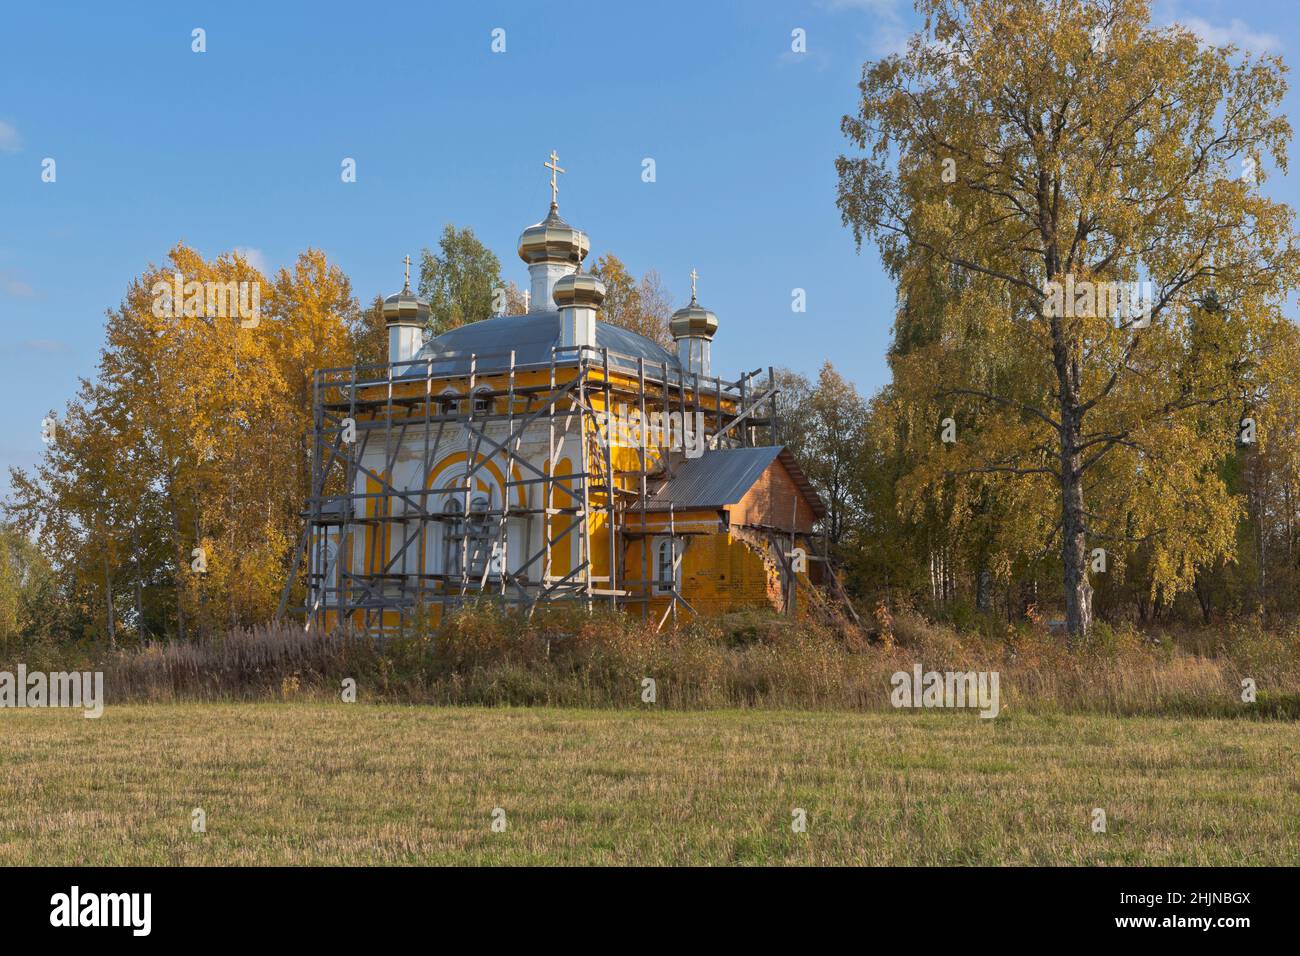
(553, 240)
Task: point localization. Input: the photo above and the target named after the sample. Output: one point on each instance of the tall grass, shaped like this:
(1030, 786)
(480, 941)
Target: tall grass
(567, 657)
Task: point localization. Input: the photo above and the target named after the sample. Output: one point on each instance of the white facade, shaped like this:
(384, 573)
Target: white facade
(404, 341)
(473, 539)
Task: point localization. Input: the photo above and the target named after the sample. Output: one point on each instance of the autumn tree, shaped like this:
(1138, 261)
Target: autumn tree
(181, 469)
(822, 424)
(370, 337)
(515, 302)
(643, 305)
(1036, 156)
(83, 501)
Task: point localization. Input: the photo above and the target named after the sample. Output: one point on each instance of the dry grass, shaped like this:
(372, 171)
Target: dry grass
(488, 657)
(312, 783)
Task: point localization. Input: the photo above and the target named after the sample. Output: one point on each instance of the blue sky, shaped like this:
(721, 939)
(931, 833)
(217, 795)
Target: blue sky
(241, 147)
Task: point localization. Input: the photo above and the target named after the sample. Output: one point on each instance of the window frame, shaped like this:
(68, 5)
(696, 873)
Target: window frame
(449, 402)
(660, 586)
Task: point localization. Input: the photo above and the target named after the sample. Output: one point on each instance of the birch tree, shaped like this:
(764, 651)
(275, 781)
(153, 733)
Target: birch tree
(1045, 157)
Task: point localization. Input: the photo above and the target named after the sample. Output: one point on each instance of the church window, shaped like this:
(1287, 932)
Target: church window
(449, 403)
(480, 544)
(451, 542)
(668, 569)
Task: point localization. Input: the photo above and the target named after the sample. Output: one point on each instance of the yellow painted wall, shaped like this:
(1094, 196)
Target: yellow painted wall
(720, 572)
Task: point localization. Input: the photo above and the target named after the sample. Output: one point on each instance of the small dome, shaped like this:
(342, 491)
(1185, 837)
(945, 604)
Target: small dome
(579, 289)
(404, 307)
(553, 240)
(693, 320)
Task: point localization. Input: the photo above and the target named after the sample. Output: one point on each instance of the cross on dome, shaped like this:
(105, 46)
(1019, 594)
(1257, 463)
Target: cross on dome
(554, 167)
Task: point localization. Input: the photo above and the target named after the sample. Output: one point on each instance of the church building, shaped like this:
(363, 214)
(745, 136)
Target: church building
(551, 456)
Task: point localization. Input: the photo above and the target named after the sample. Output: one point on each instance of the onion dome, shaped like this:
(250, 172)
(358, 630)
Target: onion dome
(580, 290)
(693, 321)
(404, 307)
(553, 240)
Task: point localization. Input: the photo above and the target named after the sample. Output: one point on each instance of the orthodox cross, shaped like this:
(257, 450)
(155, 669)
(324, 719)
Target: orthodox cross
(694, 275)
(554, 167)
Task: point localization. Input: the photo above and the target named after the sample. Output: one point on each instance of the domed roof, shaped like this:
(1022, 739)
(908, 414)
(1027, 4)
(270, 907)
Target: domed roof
(405, 307)
(579, 289)
(533, 339)
(693, 320)
(553, 240)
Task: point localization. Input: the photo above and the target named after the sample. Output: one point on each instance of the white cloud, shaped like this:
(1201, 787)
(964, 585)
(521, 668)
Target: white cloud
(1238, 33)
(890, 34)
(256, 258)
(10, 141)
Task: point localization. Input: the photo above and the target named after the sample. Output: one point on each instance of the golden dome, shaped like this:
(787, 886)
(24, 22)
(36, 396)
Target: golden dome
(404, 307)
(579, 289)
(693, 320)
(553, 240)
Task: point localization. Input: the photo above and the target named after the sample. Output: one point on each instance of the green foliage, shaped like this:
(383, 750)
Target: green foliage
(460, 280)
(30, 602)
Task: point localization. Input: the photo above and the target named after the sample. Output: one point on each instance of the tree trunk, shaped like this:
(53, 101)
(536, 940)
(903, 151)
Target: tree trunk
(1074, 518)
(108, 603)
(1202, 597)
(1074, 551)
(180, 574)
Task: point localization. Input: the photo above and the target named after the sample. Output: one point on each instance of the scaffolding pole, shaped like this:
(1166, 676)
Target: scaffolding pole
(393, 545)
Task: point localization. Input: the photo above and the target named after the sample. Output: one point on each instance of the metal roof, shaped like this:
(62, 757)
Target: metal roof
(532, 337)
(722, 477)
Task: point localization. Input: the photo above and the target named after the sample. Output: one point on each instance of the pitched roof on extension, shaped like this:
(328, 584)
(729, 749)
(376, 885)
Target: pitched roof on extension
(722, 477)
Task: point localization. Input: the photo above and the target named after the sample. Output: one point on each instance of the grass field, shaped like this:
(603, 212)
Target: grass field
(305, 783)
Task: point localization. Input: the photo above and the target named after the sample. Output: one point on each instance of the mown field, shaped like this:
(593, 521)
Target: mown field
(312, 783)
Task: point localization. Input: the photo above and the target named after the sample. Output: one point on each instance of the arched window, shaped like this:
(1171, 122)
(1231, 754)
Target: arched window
(453, 535)
(667, 566)
(449, 402)
(482, 401)
(480, 536)
(469, 537)
(404, 536)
